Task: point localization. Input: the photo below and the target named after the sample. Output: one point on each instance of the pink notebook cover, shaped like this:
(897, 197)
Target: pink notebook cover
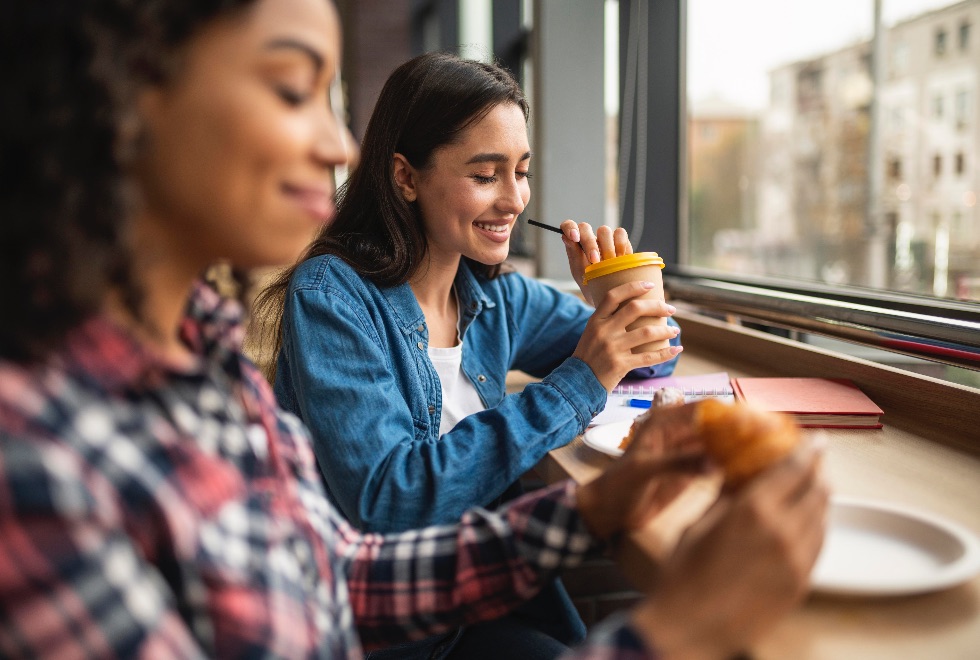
(816, 402)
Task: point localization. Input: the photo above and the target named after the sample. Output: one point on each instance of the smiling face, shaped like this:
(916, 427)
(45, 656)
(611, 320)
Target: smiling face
(241, 142)
(473, 190)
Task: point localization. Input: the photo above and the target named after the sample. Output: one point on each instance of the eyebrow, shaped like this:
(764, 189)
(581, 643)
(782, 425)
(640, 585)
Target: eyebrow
(495, 158)
(292, 44)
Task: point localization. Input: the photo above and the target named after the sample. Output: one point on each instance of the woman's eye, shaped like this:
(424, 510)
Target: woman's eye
(484, 179)
(524, 175)
(291, 96)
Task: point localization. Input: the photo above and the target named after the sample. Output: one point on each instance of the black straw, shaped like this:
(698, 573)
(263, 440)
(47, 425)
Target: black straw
(544, 226)
(550, 228)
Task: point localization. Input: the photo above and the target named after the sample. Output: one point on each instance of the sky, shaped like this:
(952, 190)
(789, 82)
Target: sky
(732, 44)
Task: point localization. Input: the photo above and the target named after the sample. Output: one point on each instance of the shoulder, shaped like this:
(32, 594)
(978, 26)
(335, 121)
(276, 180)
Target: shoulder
(328, 287)
(327, 271)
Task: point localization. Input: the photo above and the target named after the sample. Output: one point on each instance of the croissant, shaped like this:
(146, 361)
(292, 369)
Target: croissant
(744, 440)
(741, 439)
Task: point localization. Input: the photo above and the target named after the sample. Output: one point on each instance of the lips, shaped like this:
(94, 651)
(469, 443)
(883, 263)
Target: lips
(495, 231)
(315, 201)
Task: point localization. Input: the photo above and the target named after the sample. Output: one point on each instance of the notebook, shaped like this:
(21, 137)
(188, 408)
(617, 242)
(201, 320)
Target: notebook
(618, 405)
(814, 402)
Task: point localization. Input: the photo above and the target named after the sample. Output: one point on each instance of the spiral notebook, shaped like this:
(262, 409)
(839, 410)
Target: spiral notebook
(618, 406)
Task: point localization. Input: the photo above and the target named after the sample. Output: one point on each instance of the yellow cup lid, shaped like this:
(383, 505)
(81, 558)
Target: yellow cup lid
(623, 262)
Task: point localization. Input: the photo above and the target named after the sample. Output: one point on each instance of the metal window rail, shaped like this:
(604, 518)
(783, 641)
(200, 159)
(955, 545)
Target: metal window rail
(941, 331)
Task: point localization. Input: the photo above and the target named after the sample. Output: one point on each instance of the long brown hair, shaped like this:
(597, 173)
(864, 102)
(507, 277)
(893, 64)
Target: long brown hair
(425, 104)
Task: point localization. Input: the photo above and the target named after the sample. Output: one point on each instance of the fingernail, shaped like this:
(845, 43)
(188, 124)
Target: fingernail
(676, 331)
(675, 350)
(576, 236)
(594, 256)
(647, 285)
(670, 308)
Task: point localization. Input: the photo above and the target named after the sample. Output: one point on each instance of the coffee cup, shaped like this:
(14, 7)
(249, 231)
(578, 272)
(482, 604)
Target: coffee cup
(607, 274)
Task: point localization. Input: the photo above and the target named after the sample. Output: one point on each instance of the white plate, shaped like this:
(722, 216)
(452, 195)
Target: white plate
(606, 437)
(877, 549)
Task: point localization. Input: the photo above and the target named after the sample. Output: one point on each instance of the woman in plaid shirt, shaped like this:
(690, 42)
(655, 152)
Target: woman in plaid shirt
(154, 501)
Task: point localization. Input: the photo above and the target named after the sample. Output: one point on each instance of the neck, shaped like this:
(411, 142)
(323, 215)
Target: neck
(433, 284)
(166, 273)
(433, 289)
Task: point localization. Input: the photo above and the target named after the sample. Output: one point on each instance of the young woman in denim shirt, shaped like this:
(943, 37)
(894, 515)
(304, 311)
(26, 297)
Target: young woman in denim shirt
(398, 326)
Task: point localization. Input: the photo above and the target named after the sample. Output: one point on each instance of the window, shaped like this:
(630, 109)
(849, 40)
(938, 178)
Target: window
(964, 36)
(895, 169)
(900, 59)
(962, 108)
(841, 199)
(810, 198)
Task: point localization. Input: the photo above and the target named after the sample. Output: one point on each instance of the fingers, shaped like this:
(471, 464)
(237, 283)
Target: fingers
(667, 433)
(810, 501)
(569, 229)
(621, 241)
(793, 498)
(603, 243)
(590, 244)
(790, 480)
(632, 292)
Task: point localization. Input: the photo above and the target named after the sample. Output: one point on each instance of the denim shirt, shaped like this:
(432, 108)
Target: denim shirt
(354, 366)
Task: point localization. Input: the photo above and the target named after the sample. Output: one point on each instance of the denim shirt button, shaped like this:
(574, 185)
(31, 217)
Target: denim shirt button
(421, 346)
(421, 327)
(432, 409)
(481, 378)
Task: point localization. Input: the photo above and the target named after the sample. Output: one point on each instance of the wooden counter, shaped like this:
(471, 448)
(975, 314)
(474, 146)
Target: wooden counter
(927, 457)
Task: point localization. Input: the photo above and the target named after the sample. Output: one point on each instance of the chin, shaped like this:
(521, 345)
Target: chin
(494, 257)
(488, 260)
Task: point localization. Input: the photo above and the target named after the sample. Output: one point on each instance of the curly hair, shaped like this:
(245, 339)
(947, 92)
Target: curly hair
(425, 104)
(68, 133)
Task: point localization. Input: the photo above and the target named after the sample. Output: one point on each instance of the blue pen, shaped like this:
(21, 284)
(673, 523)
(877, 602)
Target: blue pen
(639, 403)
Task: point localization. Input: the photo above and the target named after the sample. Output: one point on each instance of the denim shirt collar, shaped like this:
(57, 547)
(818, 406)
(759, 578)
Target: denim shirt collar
(472, 300)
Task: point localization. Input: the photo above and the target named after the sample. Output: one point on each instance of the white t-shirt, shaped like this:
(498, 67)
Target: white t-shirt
(459, 397)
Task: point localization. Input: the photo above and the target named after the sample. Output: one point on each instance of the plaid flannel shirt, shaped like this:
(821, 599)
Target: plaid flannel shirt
(147, 511)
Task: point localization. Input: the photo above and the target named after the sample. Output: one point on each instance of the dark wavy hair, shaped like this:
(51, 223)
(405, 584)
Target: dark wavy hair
(425, 104)
(68, 133)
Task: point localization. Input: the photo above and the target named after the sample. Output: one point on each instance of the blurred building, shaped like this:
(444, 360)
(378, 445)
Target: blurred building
(930, 146)
(813, 183)
(722, 168)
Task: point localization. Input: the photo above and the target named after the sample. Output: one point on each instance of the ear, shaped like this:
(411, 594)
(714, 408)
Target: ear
(405, 177)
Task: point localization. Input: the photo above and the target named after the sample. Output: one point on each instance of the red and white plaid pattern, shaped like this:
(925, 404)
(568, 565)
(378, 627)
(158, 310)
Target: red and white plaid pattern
(150, 512)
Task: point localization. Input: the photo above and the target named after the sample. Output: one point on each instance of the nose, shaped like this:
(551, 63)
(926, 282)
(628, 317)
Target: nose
(332, 140)
(512, 198)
